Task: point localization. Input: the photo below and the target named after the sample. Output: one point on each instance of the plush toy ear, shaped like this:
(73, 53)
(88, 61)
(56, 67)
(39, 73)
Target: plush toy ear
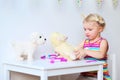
(34, 36)
(63, 38)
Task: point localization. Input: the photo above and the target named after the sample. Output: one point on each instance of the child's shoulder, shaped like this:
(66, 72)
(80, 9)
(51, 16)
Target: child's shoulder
(104, 40)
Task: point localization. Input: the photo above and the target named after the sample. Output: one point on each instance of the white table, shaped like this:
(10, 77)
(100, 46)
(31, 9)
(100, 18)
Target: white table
(44, 69)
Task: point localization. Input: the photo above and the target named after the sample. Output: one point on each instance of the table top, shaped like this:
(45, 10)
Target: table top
(46, 65)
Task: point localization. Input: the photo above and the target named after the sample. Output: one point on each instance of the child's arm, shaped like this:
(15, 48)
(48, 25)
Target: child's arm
(98, 54)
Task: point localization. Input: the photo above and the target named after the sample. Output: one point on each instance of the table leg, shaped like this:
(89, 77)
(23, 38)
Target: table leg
(59, 77)
(6, 74)
(100, 73)
(44, 76)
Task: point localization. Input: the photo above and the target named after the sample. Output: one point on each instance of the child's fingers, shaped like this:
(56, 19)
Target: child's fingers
(80, 56)
(76, 53)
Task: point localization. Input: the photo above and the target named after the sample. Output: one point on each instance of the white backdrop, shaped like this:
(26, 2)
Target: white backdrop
(19, 18)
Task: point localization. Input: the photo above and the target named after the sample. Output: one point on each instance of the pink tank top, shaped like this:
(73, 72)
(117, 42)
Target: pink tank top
(96, 47)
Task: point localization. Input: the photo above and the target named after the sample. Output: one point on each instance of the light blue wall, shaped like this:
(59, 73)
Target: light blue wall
(19, 18)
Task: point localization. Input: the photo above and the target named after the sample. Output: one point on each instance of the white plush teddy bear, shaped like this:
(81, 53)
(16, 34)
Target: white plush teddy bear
(62, 47)
(25, 50)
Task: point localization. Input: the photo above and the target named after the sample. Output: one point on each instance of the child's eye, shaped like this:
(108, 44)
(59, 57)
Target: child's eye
(84, 29)
(90, 29)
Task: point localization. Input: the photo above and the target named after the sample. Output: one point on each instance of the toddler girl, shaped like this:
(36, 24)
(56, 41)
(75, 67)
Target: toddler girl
(94, 47)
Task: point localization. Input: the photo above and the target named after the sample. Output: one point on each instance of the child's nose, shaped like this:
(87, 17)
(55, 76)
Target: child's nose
(86, 32)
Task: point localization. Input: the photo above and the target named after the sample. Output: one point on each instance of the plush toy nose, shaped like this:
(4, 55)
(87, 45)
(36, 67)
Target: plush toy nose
(45, 39)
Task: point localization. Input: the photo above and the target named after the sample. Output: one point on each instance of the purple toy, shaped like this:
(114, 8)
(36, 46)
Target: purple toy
(54, 58)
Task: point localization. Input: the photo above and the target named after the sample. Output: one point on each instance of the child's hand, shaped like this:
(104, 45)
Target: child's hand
(80, 54)
(76, 52)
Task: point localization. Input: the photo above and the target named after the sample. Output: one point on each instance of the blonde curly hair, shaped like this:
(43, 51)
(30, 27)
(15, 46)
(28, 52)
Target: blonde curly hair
(95, 18)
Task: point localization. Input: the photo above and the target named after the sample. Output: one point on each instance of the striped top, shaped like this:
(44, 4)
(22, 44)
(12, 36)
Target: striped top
(96, 47)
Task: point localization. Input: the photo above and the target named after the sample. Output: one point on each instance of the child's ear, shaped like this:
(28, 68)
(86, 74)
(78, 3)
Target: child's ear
(101, 29)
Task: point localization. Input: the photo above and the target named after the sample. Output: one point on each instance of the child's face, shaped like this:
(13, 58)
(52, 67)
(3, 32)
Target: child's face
(92, 30)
